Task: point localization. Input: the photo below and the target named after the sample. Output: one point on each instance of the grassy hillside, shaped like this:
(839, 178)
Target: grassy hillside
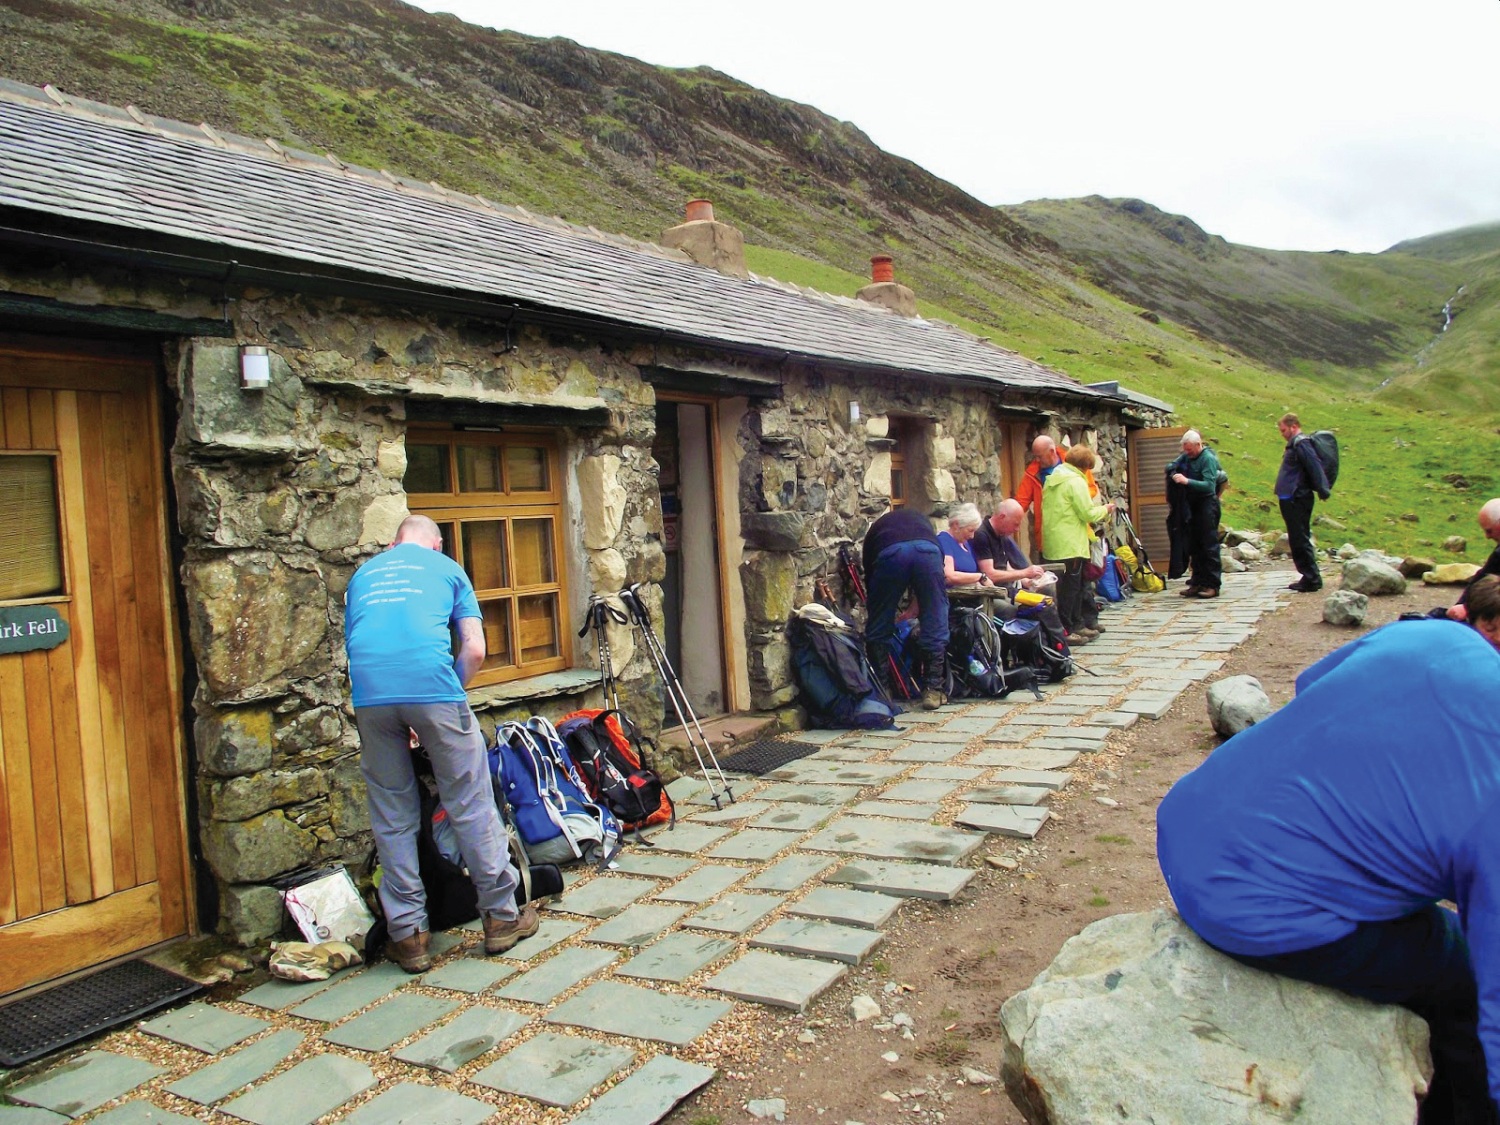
(1097, 288)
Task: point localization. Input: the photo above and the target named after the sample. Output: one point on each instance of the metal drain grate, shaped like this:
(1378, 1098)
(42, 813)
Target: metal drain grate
(39, 1024)
(764, 755)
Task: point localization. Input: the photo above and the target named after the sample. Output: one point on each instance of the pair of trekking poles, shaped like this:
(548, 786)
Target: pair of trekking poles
(632, 609)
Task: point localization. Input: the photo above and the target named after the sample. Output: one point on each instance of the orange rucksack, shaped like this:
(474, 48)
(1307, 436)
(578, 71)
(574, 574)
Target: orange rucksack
(615, 767)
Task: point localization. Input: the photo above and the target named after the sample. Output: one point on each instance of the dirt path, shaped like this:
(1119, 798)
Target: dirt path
(949, 967)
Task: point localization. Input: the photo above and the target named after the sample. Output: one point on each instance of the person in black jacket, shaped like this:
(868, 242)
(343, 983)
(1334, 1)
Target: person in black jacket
(1489, 523)
(901, 552)
(1301, 477)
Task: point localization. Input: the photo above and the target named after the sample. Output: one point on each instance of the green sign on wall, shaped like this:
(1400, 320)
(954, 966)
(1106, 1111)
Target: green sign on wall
(26, 628)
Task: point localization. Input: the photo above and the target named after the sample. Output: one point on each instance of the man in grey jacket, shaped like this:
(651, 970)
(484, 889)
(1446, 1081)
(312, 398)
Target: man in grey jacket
(1300, 479)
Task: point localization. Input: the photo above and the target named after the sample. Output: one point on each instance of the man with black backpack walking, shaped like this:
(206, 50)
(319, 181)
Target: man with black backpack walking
(399, 613)
(1300, 479)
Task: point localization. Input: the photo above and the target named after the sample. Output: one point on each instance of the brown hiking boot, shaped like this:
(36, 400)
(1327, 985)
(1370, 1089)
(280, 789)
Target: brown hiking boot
(411, 953)
(501, 934)
(931, 699)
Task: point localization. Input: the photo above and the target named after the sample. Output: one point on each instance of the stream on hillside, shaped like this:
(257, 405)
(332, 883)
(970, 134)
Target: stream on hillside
(1420, 358)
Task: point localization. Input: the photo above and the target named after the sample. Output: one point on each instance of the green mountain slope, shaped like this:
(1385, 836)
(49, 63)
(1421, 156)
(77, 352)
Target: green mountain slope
(1100, 289)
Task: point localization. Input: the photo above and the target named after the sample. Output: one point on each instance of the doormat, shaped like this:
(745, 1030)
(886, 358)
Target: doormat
(764, 755)
(43, 1022)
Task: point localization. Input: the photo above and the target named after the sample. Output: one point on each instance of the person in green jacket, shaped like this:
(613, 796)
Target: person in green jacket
(1196, 471)
(1067, 511)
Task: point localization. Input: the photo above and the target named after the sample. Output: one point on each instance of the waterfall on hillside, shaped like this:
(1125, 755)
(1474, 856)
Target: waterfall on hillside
(1420, 358)
(1448, 308)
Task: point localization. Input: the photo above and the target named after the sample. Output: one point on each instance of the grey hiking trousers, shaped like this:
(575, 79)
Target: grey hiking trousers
(451, 736)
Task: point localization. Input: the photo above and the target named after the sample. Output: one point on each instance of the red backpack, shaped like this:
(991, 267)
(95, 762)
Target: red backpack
(615, 767)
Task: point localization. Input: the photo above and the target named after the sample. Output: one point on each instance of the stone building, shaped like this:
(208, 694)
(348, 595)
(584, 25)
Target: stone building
(228, 369)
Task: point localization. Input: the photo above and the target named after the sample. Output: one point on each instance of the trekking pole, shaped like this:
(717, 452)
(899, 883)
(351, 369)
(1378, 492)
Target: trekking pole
(598, 616)
(677, 696)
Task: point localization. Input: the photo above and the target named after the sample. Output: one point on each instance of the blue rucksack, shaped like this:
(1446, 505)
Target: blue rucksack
(828, 655)
(556, 821)
(1108, 584)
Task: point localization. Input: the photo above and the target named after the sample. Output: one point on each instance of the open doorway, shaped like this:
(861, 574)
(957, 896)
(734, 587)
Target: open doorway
(692, 595)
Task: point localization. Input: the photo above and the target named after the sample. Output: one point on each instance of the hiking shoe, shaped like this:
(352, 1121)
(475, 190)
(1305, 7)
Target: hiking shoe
(1305, 588)
(501, 934)
(1095, 627)
(1089, 633)
(1189, 591)
(931, 699)
(1207, 592)
(413, 953)
(1077, 640)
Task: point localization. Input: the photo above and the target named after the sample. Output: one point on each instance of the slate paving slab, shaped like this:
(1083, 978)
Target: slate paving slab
(846, 907)
(312, 1088)
(637, 925)
(139, 1113)
(603, 897)
(1048, 779)
(927, 752)
(855, 752)
(461, 1040)
(633, 861)
(754, 844)
(905, 880)
(390, 1021)
(687, 790)
(709, 881)
(1069, 745)
(551, 932)
(1115, 720)
(896, 810)
(557, 974)
(555, 1069)
(739, 810)
(689, 839)
(835, 773)
(350, 995)
(968, 725)
(813, 937)
(1026, 758)
(945, 773)
(762, 977)
(881, 839)
(84, 1083)
(279, 995)
(468, 974)
(412, 1103)
(734, 913)
(793, 793)
(648, 1095)
(30, 1115)
(675, 957)
(791, 873)
(1004, 820)
(1148, 707)
(1009, 794)
(795, 818)
(204, 1027)
(235, 1072)
(919, 789)
(639, 1013)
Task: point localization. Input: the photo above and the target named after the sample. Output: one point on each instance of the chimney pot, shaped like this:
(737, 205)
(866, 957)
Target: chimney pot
(700, 210)
(882, 269)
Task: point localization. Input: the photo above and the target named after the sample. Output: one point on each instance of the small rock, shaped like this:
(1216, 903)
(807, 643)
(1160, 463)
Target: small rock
(806, 1037)
(890, 1097)
(1108, 802)
(1248, 553)
(891, 989)
(901, 1019)
(1345, 607)
(1233, 565)
(884, 1025)
(235, 962)
(891, 1056)
(863, 1008)
(1415, 566)
(1347, 551)
(977, 1077)
(1409, 517)
(1455, 544)
(1236, 703)
(774, 1108)
(1365, 575)
(1095, 787)
(1282, 546)
(1330, 523)
(908, 1034)
(1003, 862)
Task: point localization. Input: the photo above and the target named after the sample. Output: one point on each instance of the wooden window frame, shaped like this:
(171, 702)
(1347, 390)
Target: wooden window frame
(454, 509)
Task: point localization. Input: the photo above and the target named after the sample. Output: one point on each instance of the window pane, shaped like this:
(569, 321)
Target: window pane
(31, 549)
(426, 468)
(449, 533)
(497, 646)
(533, 546)
(484, 553)
(478, 468)
(538, 621)
(526, 468)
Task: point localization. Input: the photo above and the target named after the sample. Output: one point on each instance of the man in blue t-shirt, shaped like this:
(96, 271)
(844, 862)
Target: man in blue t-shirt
(1319, 843)
(398, 613)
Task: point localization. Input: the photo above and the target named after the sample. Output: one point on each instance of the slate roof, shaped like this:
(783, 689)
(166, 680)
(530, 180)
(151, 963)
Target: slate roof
(70, 158)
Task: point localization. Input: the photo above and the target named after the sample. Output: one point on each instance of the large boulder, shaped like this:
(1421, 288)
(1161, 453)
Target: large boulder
(1237, 703)
(1138, 1021)
(1451, 574)
(1345, 607)
(1372, 577)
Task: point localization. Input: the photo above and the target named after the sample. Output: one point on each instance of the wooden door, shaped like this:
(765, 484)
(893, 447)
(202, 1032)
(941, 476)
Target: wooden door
(1014, 451)
(1151, 451)
(92, 858)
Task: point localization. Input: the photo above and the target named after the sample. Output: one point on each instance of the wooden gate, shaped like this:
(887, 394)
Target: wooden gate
(1151, 451)
(92, 857)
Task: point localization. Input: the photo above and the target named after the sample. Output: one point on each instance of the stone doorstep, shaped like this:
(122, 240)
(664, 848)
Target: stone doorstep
(723, 732)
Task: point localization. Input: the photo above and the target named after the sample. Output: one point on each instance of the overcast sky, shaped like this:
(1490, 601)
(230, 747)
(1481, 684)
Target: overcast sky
(1288, 124)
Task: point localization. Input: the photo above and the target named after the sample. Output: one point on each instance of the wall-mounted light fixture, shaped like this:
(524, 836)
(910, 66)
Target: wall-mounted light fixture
(255, 368)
